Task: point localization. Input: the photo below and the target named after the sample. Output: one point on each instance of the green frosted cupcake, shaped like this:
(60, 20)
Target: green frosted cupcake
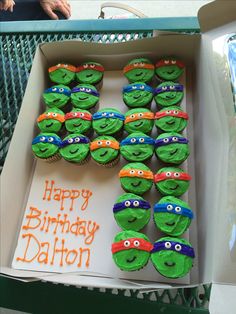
(172, 181)
(62, 73)
(78, 121)
(172, 257)
(137, 147)
(139, 70)
(137, 95)
(168, 94)
(75, 148)
(136, 178)
(139, 120)
(56, 96)
(172, 148)
(169, 69)
(131, 250)
(45, 146)
(90, 73)
(84, 96)
(131, 212)
(105, 150)
(172, 215)
(108, 121)
(172, 119)
(51, 120)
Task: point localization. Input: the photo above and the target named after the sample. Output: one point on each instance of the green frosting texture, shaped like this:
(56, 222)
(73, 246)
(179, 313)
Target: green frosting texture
(107, 125)
(130, 259)
(55, 98)
(78, 125)
(89, 75)
(171, 123)
(169, 222)
(137, 96)
(136, 151)
(173, 153)
(139, 73)
(170, 71)
(172, 264)
(142, 124)
(84, 99)
(136, 184)
(104, 155)
(50, 123)
(132, 218)
(75, 152)
(45, 150)
(173, 187)
(168, 98)
(62, 76)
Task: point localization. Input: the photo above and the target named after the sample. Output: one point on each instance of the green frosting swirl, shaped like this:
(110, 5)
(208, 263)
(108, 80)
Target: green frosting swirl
(132, 218)
(168, 98)
(132, 259)
(174, 153)
(51, 125)
(137, 152)
(171, 123)
(137, 185)
(107, 126)
(78, 125)
(142, 125)
(172, 187)
(45, 150)
(89, 76)
(137, 98)
(172, 264)
(169, 72)
(170, 223)
(105, 155)
(140, 74)
(84, 100)
(62, 76)
(56, 99)
(75, 152)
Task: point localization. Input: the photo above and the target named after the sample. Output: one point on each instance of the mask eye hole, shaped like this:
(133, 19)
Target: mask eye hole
(168, 174)
(165, 140)
(136, 243)
(169, 207)
(178, 247)
(178, 209)
(82, 114)
(176, 174)
(99, 143)
(132, 116)
(54, 89)
(172, 87)
(140, 172)
(42, 138)
(108, 143)
(140, 114)
(70, 140)
(175, 111)
(127, 243)
(61, 90)
(54, 114)
(141, 140)
(168, 111)
(164, 88)
(82, 89)
(88, 90)
(136, 203)
(50, 139)
(77, 139)
(168, 245)
(175, 139)
(127, 203)
(133, 140)
(132, 172)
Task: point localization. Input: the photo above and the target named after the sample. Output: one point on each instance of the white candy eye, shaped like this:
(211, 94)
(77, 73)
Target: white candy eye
(178, 209)
(164, 88)
(141, 64)
(165, 140)
(168, 174)
(135, 64)
(142, 87)
(85, 65)
(111, 114)
(74, 114)
(127, 243)
(178, 247)
(48, 114)
(132, 172)
(175, 111)
(77, 139)
(104, 114)
(50, 139)
(70, 140)
(176, 174)
(92, 65)
(136, 243)
(108, 143)
(99, 143)
(168, 245)
(42, 139)
(172, 87)
(54, 89)
(166, 61)
(88, 90)
(54, 114)
(133, 140)
(175, 139)
(58, 65)
(82, 89)
(141, 140)
(136, 203)
(168, 111)
(173, 61)
(132, 116)
(169, 207)
(134, 87)
(61, 90)
(66, 65)
(82, 114)
(140, 114)
(127, 203)
(140, 172)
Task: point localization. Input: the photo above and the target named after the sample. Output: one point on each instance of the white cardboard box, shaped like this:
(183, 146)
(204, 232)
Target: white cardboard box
(212, 114)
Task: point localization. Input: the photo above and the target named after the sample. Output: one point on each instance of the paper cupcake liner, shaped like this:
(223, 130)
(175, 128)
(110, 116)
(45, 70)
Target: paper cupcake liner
(99, 84)
(111, 164)
(51, 159)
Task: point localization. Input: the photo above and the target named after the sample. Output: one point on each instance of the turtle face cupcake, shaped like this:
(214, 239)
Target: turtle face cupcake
(172, 215)
(75, 148)
(78, 121)
(137, 147)
(137, 95)
(136, 178)
(172, 119)
(169, 69)
(172, 148)
(56, 96)
(105, 150)
(84, 96)
(62, 73)
(168, 94)
(172, 257)
(139, 70)
(139, 120)
(46, 146)
(131, 250)
(108, 121)
(172, 181)
(131, 212)
(51, 120)
(89, 73)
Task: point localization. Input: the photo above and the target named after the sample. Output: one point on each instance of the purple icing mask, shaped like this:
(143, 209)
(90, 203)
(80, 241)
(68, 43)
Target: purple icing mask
(75, 140)
(171, 140)
(131, 204)
(170, 88)
(85, 90)
(173, 246)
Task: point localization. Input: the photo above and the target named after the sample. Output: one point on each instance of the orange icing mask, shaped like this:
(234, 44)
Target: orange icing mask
(51, 115)
(140, 65)
(139, 116)
(68, 67)
(104, 144)
(145, 174)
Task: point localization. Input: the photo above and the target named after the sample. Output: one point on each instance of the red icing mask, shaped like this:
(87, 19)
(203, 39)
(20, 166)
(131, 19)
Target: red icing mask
(131, 243)
(169, 62)
(78, 115)
(172, 175)
(171, 113)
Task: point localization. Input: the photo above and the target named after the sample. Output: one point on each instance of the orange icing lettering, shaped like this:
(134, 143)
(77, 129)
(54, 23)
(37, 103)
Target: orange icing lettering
(74, 195)
(72, 252)
(47, 189)
(33, 217)
(86, 194)
(61, 250)
(89, 239)
(36, 242)
(80, 258)
(44, 255)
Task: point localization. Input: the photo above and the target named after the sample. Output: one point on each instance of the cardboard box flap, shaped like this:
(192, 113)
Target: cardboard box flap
(216, 14)
(222, 299)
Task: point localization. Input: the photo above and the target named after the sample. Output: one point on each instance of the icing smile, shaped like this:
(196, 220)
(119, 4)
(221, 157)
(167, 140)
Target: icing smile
(43, 150)
(104, 154)
(170, 224)
(89, 75)
(77, 125)
(132, 220)
(49, 125)
(170, 123)
(74, 152)
(64, 75)
(136, 184)
(139, 74)
(171, 72)
(176, 187)
(169, 264)
(103, 126)
(137, 154)
(174, 152)
(139, 124)
(131, 260)
(83, 98)
(137, 97)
